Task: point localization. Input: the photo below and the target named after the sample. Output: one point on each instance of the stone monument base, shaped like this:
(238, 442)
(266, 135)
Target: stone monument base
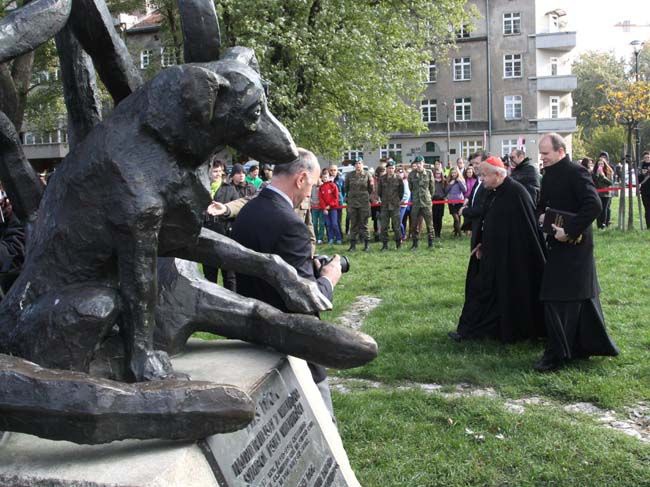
(291, 442)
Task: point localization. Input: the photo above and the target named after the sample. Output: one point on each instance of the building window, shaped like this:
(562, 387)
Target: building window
(462, 69)
(167, 56)
(512, 66)
(463, 109)
(555, 106)
(511, 23)
(430, 147)
(353, 155)
(508, 145)
(469, 147)
(28, 138)
(432, 72)
(554, 63)
(145, 58)
(391, 150)
(512, 107)
(429, 111)
(463, 32)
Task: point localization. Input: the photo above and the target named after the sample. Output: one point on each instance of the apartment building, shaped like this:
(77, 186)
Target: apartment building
(507, 82)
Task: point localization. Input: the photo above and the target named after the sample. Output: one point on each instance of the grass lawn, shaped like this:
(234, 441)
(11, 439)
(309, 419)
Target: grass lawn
(398, 437)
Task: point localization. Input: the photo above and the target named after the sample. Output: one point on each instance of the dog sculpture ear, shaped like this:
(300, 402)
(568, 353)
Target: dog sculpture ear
(199, 91)
(242, 55)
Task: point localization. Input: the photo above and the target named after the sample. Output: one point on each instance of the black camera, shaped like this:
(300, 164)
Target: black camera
(325, 259)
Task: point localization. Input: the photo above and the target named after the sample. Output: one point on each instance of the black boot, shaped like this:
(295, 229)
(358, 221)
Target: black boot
(384, 246)
(366, 245)
(430, 242)
(414, 245)
(353, 246)
(398, 243)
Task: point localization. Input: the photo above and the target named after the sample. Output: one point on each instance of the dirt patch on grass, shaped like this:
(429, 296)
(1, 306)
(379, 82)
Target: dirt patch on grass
(634, 421)
(358, 311)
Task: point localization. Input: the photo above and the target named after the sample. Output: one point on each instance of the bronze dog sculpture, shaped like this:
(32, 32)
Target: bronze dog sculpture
(135, 189)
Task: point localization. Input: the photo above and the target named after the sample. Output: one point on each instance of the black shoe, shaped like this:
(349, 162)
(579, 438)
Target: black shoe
(548, 363)
(384, 246)
(398, 243)
(430, 243)
(414, 245)
(366, 245)
(353, 246)
(457, 337)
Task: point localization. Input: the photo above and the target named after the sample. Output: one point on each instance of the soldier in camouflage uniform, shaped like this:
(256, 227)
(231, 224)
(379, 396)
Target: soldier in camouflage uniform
(390, 191)
(422, 186)
(358, 186)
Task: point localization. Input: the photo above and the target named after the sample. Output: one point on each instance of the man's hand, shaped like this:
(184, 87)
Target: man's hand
(332, 270)
(559, 234)
(477, 252)
(216, 209)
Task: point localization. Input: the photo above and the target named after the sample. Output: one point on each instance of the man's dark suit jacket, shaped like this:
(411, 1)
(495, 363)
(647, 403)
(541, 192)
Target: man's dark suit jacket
(269, 224)
(474, 212)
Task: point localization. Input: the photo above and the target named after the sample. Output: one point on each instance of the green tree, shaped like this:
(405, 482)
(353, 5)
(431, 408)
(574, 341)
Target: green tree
(344, 72)
(608, 138)
(594, 71)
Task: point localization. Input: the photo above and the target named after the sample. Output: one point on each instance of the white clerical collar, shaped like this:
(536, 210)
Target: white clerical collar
(281, 193)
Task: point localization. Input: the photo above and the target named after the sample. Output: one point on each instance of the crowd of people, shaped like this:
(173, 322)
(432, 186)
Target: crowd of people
(520, 283)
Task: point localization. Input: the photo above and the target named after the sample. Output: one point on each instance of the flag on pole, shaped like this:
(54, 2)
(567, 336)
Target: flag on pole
(521, 143)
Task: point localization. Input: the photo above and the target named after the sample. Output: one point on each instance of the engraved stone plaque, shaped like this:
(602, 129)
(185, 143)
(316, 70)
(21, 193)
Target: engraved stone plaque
(291, 442)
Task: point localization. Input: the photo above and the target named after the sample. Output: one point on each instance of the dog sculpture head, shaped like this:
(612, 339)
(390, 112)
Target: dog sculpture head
(198, 108)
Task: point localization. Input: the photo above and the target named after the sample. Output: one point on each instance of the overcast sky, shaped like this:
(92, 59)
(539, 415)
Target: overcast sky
(594, 22)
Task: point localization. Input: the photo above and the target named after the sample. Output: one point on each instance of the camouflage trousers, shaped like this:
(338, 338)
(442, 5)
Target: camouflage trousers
(423, 212)
(385, 217)
(359, 223)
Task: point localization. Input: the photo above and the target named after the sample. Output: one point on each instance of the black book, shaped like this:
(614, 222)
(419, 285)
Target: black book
(558, 218)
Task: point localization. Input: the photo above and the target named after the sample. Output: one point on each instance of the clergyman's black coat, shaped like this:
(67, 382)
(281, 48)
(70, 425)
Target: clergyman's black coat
(511, 266)
(574, 319)
(570, 273)
(474, 214)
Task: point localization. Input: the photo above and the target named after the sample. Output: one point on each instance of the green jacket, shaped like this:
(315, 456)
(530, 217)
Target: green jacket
(422, 187)
(390, 190)
(357, 189)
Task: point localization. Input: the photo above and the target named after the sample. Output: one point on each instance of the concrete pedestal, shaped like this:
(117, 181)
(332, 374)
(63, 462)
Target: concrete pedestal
(291, 442)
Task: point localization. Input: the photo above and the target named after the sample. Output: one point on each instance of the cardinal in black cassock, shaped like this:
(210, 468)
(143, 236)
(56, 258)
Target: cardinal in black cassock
(511, 253)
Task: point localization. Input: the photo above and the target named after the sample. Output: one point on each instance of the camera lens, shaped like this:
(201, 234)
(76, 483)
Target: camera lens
(345, 264)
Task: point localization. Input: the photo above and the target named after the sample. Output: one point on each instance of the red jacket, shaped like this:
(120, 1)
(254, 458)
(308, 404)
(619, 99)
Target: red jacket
(328, 195)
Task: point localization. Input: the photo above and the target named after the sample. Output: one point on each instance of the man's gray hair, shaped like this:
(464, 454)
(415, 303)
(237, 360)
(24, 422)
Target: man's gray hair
(519, 152)
(306, 161)
(487, 167)
(557, 141)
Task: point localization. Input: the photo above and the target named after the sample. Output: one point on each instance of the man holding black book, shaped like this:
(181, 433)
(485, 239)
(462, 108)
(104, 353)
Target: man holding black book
(574, 320)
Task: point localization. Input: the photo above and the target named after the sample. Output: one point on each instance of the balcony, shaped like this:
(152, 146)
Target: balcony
(556, 41)
(564, 84)
(45, 151)
(560, 125)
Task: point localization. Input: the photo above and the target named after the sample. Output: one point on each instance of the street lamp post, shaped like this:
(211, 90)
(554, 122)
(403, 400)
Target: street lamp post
(637, 45)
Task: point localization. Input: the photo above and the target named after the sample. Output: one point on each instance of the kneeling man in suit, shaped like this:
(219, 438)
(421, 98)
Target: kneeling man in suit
(269, 224)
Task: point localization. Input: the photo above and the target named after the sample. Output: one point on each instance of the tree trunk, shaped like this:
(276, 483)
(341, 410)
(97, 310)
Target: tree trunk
(21, 72)
(630, 172)
(621, 203)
